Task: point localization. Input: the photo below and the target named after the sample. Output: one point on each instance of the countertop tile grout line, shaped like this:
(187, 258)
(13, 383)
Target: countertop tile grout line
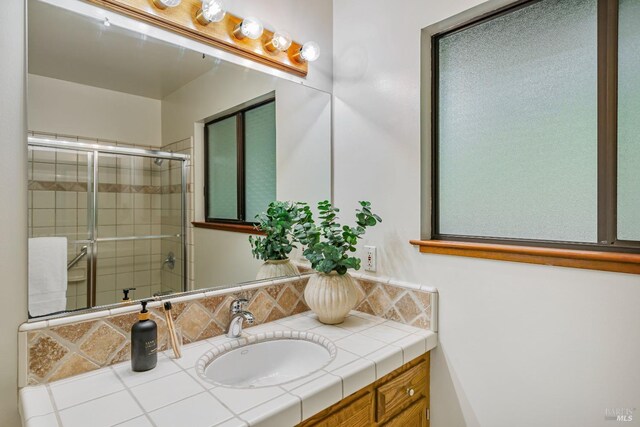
(266, 401)
(87, 401)
(113, 369)
(299, 403)
(135, 399)
(224, 405)
(54, 405)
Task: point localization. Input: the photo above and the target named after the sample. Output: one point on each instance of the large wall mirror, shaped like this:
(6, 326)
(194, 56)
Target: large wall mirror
(133, 139)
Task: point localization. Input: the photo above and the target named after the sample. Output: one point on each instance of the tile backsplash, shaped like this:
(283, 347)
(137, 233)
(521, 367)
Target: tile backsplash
(409, 306)
(56, 352)
(69, 346)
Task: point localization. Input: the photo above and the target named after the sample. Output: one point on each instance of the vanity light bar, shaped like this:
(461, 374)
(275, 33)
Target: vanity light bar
(279, 42)
(309, 52)
(163, 4)
(209, 22)
(214, 11)
(211, 11)
(249, 27)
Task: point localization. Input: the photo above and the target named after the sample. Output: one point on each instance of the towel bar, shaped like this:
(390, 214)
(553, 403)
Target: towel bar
(77, 259)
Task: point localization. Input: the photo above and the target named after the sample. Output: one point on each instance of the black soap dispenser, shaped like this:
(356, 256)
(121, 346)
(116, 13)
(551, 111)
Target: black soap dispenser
(125, 293)
(144, 342)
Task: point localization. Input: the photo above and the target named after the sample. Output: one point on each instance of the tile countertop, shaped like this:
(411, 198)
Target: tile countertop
(173, 394)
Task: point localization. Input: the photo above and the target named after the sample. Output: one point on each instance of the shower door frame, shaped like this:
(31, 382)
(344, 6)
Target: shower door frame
(94, 151)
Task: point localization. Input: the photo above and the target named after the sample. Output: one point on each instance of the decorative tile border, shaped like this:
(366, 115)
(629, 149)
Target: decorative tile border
(65, 346)
(58, 186)
(402, 302)
(102, 188)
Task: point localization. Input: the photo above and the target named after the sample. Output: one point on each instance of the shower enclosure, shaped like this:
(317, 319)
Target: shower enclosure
(122, 211)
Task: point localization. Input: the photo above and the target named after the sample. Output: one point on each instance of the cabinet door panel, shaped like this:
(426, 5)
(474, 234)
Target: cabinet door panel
(401, 391)
(356, 414)
(413, 416)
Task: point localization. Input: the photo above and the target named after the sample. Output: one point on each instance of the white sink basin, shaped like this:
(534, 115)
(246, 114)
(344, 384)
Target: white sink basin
(266, 359)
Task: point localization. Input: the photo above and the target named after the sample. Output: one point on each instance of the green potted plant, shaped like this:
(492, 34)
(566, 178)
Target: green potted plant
(331, 292)
(274, 247)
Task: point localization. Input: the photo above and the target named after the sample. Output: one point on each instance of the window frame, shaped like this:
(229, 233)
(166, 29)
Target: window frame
(240, 224)
(607, 103)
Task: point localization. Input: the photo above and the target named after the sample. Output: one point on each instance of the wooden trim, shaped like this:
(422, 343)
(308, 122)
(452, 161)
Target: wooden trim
(240, 174)
(607, 120)
(590, 260)
(238, 228)
(182, 20)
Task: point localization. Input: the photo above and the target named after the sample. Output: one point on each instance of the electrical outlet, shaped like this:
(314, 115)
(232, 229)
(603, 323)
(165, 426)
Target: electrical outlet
(370, 258)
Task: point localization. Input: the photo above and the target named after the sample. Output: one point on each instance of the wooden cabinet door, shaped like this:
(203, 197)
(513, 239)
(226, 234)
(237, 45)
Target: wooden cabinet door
(402, 390)
(355, 414)
(414, 416)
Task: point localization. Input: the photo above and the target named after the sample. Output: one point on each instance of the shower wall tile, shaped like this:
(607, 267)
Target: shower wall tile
(171, 217)
(44, 199)
(44, 171)
(66, 172)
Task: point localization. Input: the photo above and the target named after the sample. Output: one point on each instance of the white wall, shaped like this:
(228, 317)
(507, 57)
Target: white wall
(303, 155)
(520, 344)
(13, 192)
(67, 108)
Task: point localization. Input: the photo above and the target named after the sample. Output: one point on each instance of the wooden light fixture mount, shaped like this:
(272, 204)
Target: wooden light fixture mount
(182, 19)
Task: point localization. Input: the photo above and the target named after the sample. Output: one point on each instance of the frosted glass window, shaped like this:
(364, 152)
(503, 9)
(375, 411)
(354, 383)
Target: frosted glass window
(241, 173)
(260, 159)
(628, 123)
(223, 169)
(517, 125)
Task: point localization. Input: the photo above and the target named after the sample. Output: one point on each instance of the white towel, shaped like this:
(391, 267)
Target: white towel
(47, 275)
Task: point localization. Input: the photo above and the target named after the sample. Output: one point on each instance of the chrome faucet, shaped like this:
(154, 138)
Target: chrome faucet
(237, 315)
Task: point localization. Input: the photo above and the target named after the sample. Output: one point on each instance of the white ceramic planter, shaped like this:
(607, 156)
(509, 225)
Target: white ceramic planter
(331, 296)
(277, 268)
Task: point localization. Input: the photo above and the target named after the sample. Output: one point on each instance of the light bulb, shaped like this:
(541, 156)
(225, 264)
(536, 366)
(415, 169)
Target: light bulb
(309, 52)
(249, 27)
(163, 4)
(279, 42)
(211, 11)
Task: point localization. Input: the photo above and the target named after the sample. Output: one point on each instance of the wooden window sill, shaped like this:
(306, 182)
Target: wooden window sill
(591, 260)
(238, 228)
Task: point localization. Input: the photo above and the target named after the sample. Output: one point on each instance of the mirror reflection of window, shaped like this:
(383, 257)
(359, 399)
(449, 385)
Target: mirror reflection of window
(241, 163)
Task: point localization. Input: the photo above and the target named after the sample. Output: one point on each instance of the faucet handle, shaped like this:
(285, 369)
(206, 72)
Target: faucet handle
(237, 305)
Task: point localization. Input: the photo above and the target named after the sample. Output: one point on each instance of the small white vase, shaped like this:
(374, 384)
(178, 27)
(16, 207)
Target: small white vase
(277, 268)
(331, 296)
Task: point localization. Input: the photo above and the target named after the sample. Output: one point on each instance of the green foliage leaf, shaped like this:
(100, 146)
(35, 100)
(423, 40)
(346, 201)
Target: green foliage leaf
(278, 222)
(329, 243)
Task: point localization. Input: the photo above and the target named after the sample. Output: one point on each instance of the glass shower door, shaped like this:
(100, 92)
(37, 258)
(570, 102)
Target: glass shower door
(138, 247)
(59, 194)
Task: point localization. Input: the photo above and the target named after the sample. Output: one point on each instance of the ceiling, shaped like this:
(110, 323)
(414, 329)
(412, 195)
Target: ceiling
(67, 46)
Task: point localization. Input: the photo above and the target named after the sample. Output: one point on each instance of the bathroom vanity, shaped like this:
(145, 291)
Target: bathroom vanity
(377, 374)
(400, 398)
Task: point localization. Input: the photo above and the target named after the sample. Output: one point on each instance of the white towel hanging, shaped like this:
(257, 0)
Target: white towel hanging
(47, 275)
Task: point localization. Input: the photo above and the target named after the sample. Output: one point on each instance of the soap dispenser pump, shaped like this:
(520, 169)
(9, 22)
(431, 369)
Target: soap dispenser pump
(144, 342)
